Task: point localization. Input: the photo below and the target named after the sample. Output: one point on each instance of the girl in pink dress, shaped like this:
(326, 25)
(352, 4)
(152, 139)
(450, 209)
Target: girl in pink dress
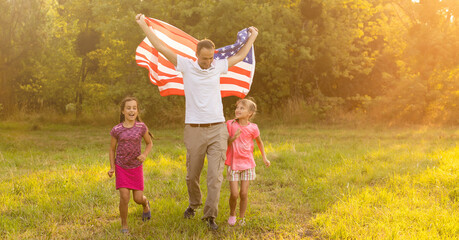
(126, 159)
(239, 156)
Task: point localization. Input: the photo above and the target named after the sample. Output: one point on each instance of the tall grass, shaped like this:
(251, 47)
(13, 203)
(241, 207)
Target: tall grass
(325, 182)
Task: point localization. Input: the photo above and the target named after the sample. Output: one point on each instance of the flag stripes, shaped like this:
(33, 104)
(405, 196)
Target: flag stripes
(236, 82)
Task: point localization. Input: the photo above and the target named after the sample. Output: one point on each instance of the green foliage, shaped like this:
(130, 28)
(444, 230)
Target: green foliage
(406, 103)
(443, 97)
(22, 36)
(310, 9)
(421, 89)
(324, 106)
(327, 53)
(87, 42)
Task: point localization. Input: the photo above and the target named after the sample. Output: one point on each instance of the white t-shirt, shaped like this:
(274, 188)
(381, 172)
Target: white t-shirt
(202, 90)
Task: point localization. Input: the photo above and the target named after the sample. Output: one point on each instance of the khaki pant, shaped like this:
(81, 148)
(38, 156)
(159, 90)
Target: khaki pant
(200, 141)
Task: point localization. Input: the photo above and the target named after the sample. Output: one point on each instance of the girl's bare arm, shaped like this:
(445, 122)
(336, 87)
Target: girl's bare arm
(111, 155)
(262, 150)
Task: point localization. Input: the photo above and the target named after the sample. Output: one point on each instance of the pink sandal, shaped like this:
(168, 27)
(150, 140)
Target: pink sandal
(232, 220)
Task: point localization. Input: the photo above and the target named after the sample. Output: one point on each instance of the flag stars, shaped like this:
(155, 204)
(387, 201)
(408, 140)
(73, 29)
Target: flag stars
(231, 50)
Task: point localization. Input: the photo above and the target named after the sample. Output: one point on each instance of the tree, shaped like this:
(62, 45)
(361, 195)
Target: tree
(21, 38)
(430, 37)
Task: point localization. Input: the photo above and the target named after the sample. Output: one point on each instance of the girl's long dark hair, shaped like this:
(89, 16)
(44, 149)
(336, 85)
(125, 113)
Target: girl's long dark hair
(138, 119)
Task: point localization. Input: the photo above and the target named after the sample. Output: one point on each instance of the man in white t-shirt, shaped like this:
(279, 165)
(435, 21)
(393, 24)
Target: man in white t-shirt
(205, 131)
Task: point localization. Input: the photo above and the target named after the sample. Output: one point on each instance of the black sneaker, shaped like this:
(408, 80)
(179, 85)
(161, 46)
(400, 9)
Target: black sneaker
(189, 212)
(211, 223)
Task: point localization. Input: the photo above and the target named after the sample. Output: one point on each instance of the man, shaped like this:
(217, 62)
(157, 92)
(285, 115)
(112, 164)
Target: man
(205, 131)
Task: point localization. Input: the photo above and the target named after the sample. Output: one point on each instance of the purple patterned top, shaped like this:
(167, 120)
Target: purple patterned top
(129, 144)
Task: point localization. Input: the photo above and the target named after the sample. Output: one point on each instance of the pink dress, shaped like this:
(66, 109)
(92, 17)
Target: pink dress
(128, 169)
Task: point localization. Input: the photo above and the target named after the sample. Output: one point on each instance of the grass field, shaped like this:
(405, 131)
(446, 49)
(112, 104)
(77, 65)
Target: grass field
(324, 183)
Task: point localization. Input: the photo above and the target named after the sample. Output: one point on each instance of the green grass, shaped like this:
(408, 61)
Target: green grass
(325, 182)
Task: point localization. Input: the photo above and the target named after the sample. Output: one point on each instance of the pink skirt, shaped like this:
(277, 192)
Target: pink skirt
(129, 178)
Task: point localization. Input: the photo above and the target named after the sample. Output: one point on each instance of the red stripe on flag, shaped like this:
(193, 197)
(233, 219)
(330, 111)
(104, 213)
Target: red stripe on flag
(172, 91)
(241, 71)
(174, 30)
(143, 59)
(163, 82)
(147, 47)
(174, 33)
(226, 80)
(166, 63)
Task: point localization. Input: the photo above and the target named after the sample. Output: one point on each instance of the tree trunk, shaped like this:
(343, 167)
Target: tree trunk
(79, 89)
(7, 99)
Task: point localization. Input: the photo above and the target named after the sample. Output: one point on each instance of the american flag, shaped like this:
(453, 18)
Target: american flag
(162, 73)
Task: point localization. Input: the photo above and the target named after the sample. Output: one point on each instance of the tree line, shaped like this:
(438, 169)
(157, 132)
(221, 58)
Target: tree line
(393, 60)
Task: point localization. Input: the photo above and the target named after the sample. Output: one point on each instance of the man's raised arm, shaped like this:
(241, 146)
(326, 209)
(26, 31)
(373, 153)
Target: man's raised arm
(169, 54)
(239, 56)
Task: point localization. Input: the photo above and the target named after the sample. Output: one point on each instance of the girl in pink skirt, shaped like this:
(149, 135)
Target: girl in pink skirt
(126, 159)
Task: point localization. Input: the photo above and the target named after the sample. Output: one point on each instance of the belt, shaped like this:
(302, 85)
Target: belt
(203, 124)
